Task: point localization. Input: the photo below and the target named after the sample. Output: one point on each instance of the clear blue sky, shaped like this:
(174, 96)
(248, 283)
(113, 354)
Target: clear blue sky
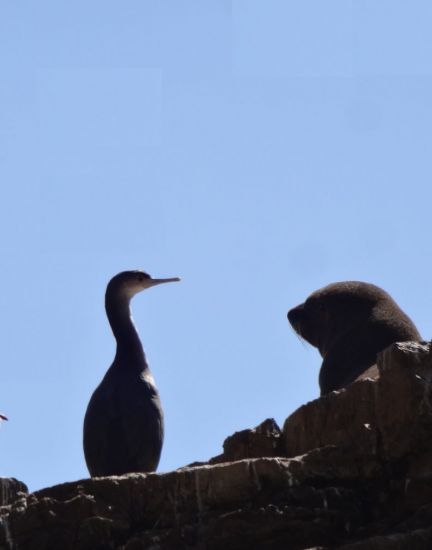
(257, 149)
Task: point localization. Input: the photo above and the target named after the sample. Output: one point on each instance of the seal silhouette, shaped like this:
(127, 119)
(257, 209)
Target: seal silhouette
(350, 322)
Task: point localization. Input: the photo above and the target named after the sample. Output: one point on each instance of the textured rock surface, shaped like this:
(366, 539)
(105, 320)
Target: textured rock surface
(241, 504)
(357, 475)
(389, 416)
(11, 489)
(264, 440)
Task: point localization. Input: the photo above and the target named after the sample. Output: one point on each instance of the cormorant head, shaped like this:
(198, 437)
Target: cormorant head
(129, 283)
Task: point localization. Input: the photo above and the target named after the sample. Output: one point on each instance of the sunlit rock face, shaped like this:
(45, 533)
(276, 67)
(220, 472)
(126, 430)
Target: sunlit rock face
(351, 470)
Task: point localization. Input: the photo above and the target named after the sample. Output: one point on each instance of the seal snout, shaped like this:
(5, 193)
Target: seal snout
(296, 316)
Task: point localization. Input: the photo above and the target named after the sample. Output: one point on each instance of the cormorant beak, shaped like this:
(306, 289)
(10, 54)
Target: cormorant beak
(154, 282)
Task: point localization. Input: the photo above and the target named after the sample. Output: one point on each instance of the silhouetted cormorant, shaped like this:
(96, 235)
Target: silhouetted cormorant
(123, 424)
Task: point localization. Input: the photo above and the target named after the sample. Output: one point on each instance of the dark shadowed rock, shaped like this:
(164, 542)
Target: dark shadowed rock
(420, 539)
(236, 505)
(403, 403)
(11, 489)
(387, 417)
(264, 440)
(342, 418)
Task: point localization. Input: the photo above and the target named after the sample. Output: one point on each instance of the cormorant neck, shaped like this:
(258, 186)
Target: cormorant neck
(130, 353)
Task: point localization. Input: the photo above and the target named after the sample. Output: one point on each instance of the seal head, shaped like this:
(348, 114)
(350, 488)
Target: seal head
(350, 322)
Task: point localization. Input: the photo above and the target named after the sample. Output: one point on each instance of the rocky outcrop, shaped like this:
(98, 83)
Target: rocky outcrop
(354, 472)
(264, 440)
(11, 489)
(389, 417)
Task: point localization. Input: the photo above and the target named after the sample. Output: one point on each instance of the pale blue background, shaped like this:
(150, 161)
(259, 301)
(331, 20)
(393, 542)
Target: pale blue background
(257, 149)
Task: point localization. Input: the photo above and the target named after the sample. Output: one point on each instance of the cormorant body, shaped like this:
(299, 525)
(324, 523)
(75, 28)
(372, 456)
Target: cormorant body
(123, 424)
